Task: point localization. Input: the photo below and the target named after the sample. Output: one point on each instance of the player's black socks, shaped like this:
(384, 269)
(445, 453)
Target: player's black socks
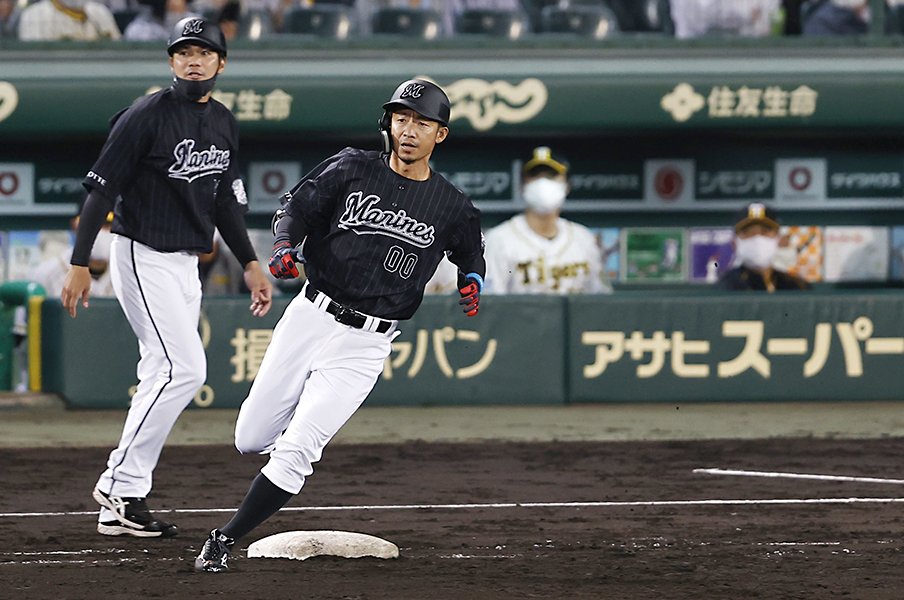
(262, 500)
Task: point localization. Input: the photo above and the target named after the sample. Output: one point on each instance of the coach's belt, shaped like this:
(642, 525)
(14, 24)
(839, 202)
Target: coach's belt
(344, 314)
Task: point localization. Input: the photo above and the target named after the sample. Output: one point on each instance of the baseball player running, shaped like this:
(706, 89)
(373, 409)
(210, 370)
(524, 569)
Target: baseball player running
(374, 226)
(170, 163)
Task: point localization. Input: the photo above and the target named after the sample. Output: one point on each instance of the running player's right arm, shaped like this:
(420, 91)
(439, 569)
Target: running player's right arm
(306, 207)
(288, 232)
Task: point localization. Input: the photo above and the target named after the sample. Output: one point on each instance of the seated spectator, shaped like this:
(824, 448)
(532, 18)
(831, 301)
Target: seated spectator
(835, 17)
(176, 10)
(539, 252)
(54, 20)
(149, 23)
(756, 244)
(792, 10)
(748, 18)
(9, 19)
(156, 19)
(229, 19)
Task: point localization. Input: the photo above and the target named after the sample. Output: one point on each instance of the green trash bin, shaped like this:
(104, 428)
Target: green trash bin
(7, 344)
(13, 294)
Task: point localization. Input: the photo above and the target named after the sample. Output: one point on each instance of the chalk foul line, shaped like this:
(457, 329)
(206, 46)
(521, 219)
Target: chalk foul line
(502, 505)
(743, 473)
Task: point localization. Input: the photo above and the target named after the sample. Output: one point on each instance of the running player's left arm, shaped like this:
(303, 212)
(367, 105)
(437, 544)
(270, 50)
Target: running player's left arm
(467, 254)
(231, 206)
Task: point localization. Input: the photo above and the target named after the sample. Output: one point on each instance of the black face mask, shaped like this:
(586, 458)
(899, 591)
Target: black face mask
(193, 90)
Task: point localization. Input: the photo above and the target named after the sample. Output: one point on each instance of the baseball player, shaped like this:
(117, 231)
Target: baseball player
(537, 251)
(756, 244)
(170, 163)
(374, 226)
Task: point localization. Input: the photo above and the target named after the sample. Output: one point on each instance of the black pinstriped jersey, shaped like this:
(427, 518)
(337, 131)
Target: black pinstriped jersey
(172, 164)
(374, 238)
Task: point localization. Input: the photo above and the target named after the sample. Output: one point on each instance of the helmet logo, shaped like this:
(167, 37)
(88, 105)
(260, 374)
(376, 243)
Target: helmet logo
(195, 26)
(412, 90)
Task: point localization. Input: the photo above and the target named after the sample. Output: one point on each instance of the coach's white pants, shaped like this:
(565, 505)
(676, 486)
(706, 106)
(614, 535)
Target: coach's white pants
(160, 294)
(314, 376)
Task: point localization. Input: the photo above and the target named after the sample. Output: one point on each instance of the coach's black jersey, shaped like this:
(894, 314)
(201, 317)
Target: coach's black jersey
(374, 238)
(172, 163)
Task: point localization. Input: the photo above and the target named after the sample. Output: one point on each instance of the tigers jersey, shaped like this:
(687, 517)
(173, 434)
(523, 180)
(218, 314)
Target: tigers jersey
(520, 261)
(374, 237)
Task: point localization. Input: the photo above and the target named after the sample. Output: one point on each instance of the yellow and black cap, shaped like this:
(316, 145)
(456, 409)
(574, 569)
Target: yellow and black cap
(543, 158)
(756, 213)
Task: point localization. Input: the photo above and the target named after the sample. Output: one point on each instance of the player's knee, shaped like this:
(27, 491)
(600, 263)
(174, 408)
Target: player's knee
(191, 373)
(248, 441)
(247, 445)
(190, 378)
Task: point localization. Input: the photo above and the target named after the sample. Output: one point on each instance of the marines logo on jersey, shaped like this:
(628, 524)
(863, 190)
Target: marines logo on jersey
(363, 217)
(190, 164)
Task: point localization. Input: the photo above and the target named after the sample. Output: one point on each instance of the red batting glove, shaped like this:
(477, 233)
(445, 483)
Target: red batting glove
(470, 298)
(282, 261)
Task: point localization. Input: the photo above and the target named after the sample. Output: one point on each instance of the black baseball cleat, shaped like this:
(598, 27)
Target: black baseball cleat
(132, 518)
(214, 553)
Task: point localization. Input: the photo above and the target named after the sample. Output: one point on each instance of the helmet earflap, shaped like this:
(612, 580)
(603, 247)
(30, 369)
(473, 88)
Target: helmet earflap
(385, 135)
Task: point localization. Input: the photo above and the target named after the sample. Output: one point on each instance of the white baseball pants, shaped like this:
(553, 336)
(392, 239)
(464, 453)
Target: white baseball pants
(160, 294)
(315, 374)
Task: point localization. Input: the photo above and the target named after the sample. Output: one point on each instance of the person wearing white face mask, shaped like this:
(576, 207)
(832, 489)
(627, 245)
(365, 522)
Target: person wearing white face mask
(80, 20)
(756, 245)
(537, 251)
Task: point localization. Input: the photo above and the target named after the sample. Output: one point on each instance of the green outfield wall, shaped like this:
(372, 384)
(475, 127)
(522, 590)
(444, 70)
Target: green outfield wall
(503, 90)
(630, 347)
(661, 134)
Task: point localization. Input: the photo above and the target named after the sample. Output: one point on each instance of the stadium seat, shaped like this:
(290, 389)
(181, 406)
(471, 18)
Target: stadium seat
(124, 17)
(255, 24)
(210, 14)
(496, 23)
(894, 18)
(327, 21)
(411, 22)
(587, 21)
(640, 15)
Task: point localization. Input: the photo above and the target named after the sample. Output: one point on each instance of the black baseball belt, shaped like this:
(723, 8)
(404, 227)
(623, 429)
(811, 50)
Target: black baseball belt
(344, 314)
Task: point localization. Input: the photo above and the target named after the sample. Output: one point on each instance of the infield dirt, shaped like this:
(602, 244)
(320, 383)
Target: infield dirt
(771, 547)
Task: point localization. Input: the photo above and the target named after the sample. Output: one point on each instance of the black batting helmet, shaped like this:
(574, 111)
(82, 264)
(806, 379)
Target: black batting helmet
(199, 31)
(425, 98)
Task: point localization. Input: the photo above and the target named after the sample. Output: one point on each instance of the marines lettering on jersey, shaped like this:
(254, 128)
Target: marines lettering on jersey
(364, 218)
(190, 165)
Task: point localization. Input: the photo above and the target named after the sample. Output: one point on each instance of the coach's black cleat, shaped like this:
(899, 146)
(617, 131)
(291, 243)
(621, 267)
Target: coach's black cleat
(214, 553)
(132, 518)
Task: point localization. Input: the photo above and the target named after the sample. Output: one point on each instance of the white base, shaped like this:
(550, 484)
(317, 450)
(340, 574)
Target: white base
(300, 545)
